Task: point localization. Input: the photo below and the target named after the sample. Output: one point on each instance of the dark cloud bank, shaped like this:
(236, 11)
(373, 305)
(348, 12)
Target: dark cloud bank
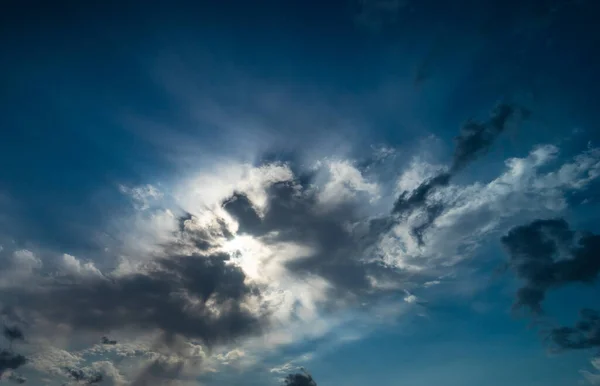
(545, 255)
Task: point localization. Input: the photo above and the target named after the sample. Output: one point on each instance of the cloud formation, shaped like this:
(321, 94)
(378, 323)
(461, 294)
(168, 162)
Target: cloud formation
(585, 334)
(474, 140)
(546, 254)
(199, 296)
(299, 379)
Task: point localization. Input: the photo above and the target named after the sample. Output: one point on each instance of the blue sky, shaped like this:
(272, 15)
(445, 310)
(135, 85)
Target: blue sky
(232, 192)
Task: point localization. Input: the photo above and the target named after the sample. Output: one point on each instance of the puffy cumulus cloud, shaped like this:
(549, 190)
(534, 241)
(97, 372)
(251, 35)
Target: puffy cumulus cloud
(344, 182)
(547, 254)
(72, 266)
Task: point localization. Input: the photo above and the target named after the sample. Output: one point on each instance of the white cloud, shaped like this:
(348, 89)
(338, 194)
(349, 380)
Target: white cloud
(525, 190)
(343, 182)
(53, 360)
(142, 196)
(417, 172)
(73, 266)
(207, 190)
(18, 267)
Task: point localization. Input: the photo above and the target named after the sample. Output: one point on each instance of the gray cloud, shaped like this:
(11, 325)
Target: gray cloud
(106, 340)
(173, 296)
(299, 379)
(476, 137)
(547, 254)
(13, 333)
(159, 372)
(584, 335)
(10, 361)
(293, 215)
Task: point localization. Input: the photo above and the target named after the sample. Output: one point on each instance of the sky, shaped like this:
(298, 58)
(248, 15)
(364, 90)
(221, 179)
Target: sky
(262, 193)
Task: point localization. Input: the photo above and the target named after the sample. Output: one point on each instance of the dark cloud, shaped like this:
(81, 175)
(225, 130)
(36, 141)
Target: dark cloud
(13, 333)
(172, 296)
(86, 376)
(106, 340)
(474, 140)
(299, 379)
(293, 214)
(584, 335)
(546, 254)
(10, 361)
(476, 137)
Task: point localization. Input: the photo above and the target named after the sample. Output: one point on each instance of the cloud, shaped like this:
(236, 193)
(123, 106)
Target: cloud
(299, 379)
(584, 335)
(199, 296)
(106, 340)
(293, 214)
(84, 375)
(10, 361)
(72, 266)
(474, 140)
(476, 137)
(593, 378)
(17, 378)
(142, 196)
(547, 254)
(530, 187)
(13, 333)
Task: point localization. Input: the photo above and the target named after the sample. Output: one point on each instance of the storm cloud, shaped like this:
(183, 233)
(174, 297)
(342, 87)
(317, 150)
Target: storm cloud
(546, 254)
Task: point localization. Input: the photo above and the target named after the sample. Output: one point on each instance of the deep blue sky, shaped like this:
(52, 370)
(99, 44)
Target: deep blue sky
(97, 96)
